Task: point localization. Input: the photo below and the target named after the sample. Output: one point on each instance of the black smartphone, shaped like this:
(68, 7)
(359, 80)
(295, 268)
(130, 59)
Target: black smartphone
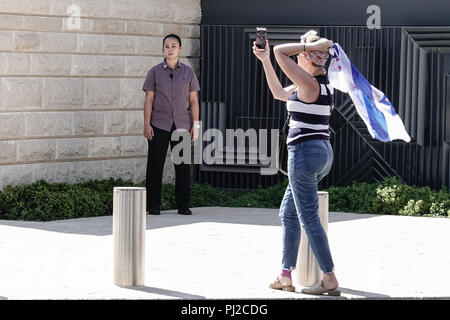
(261, 34)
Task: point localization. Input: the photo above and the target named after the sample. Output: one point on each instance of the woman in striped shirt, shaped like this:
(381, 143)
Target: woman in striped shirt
(310, 155)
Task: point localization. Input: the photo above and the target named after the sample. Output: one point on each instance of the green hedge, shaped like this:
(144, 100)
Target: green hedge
(43, 201)
(390, 197)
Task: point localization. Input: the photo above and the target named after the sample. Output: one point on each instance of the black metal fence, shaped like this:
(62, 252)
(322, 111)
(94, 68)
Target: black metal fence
(410, 65)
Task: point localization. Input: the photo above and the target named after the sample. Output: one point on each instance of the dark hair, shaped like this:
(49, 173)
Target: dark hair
(172, 35)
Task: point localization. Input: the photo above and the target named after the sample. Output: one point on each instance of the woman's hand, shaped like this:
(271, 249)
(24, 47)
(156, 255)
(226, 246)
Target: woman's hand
(323, 44)
(262, 54)
(148, 131)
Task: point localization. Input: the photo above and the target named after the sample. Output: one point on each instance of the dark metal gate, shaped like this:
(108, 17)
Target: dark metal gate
(410, 65)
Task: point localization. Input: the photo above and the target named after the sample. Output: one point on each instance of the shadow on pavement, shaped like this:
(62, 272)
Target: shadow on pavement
(102, 226)
(165, 292)
(362, 294)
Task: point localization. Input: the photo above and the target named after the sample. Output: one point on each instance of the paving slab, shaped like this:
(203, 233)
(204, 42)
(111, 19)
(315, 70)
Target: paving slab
(222, 253)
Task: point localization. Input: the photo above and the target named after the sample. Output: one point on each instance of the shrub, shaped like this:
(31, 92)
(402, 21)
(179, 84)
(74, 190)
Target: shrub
(43, 201)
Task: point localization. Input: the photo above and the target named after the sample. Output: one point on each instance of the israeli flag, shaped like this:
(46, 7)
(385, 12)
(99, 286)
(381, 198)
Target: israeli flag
(372, 105)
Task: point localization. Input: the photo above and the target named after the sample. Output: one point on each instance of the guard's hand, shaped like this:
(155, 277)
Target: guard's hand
(194, 134)
(148, 132)
(262, 54)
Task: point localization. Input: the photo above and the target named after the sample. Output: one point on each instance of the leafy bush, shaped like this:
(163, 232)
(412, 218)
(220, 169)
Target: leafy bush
(390, 196)
(43, 201)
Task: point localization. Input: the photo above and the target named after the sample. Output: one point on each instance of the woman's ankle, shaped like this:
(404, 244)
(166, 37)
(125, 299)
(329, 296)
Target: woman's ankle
(330, 281)
(286, 273)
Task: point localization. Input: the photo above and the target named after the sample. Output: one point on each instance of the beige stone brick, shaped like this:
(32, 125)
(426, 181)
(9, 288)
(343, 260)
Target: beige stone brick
(83, 171)
(119, 44)
(50, 64)
(76, 24)
(60, 7)
(191, 47)
(104, 147)
(139, 66)
(108, 26)
(11, 22)
(48, 124)
(194, 63)
(110, 66)
(53, 172)
(145, 28)
(127, 9)
(83, 65)
(102, 92)
(159, 11)
(72, 148)
(6, 40)
(59, 42)
(135, 122)
(27, 41)
(16, 174)
(181, 1)
(184, 31)
(90, 43)
(98, 65)
(62, 92)
(131, 93)
(17, 63)
(2, 64)
(115, 122)
(42, 23)
(36, 150)
(133, 146)
(149, 45)
(8, 6)
(187, 12)
(39, 6)
(12, 125)
(21, 93)
(8, 152)
(88, 123)
(120, 168)
(98, 8)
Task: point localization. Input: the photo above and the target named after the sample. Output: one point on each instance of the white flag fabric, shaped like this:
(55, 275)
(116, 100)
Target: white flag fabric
(372, 105)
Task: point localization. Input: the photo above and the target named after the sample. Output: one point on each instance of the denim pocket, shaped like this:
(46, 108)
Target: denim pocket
(315, 155)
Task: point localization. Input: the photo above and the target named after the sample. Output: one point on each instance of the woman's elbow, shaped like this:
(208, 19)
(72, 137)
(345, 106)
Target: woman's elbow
(280, 97)
(276, 50)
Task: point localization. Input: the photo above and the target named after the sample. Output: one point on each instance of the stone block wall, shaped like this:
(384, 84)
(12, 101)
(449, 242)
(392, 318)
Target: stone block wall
(71, 76)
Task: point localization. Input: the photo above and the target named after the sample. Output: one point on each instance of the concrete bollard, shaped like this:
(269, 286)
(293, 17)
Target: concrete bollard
(129, 222)
(308, 270)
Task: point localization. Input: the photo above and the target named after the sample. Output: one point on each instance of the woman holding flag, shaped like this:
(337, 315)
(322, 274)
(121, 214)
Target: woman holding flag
(310, 155)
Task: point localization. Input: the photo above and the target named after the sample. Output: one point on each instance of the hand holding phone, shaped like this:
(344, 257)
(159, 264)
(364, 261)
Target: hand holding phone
(261, 35)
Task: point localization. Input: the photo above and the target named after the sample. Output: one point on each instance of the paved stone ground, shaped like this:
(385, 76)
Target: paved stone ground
(222, 253)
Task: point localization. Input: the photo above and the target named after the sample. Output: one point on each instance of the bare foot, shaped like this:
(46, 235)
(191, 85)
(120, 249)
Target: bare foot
(329, 281)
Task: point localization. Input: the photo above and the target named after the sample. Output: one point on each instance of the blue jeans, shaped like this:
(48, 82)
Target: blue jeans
(308, 162)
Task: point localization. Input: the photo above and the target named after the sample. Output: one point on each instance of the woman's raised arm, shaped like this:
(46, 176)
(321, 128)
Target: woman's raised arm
(277, 90)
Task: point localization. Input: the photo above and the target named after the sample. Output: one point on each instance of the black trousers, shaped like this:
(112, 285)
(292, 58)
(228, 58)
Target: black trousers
(157, 151)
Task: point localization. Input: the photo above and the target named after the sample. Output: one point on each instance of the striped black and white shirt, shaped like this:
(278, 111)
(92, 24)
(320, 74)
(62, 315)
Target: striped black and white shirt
(310, 120)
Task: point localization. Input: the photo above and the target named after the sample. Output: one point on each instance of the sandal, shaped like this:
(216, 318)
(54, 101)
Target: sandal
(277, 285)
(319, 289)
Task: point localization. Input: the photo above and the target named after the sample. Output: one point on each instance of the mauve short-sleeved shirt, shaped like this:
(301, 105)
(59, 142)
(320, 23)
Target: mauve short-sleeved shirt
(171, 88)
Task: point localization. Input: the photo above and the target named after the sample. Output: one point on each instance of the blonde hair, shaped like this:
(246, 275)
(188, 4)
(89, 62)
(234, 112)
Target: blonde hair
(309, 36)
